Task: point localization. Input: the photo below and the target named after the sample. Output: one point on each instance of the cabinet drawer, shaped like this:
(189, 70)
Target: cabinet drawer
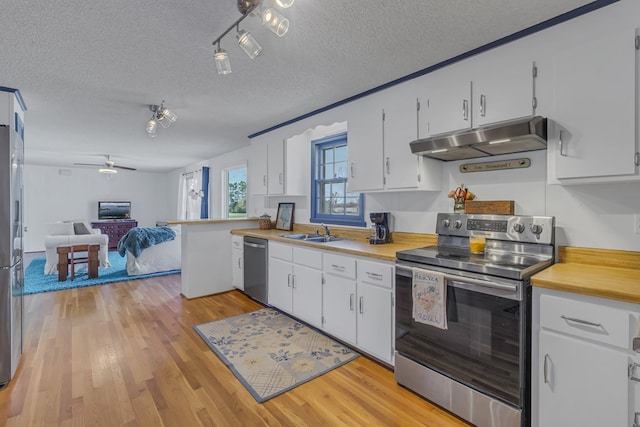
(281, 251)
(375, 273)
(340, 265)
(597, 322)
(237, 242)
(307, 257)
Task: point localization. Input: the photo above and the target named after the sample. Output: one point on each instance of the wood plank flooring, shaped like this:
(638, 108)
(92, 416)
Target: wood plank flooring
(125, 354)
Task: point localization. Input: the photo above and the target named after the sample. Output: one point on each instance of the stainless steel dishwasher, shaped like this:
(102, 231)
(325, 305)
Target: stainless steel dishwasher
(255, 268)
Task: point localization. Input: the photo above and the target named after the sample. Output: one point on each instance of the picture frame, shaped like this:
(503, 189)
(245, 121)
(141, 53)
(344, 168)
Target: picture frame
(284, 219)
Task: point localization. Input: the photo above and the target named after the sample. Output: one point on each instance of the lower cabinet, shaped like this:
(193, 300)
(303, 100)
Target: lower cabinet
(350, 298)
(237, 262)
(358, 300)
(295, 281)
(586, 372)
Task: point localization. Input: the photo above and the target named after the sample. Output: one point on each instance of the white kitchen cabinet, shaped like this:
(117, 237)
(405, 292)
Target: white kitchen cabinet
(364, 145)
(358, 303)
(404, 170)
(339, 295)
(375, 318)
(581, 374)
(596, 84)
(446, 100)
(237, 262)
(266, 168)
(295, 281)
(493, 87)
(379, 134)
(503, 86)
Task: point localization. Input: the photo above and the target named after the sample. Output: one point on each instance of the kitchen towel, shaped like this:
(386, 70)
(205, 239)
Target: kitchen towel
(429, 297)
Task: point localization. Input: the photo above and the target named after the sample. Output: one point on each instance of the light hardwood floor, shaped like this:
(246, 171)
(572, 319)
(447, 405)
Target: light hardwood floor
(126, 354)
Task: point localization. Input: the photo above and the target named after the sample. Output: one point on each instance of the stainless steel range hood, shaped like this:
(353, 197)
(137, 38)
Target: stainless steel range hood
(512, 136)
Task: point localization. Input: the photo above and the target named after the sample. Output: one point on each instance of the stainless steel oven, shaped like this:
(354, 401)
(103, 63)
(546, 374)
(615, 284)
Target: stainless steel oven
(479, 366)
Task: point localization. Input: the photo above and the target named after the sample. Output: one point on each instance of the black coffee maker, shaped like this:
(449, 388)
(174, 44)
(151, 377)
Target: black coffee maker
(379, 232)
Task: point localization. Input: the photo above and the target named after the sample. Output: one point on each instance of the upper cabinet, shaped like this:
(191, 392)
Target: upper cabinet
(364, 145)
(280, 167)
(494, 86)
(596, 115)
(380, 129)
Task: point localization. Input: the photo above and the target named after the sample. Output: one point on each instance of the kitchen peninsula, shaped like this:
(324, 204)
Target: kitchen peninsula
(206, 260)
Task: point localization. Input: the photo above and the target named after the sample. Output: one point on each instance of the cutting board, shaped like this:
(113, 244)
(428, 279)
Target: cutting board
(491, 207)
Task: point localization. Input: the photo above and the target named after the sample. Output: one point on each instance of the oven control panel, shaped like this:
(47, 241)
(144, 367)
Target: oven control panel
(520, 228)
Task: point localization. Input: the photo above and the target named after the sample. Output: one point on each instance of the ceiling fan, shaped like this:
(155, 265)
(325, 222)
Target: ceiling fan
(109, 166)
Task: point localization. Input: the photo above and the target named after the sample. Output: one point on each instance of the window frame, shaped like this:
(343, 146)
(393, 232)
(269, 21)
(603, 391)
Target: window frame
(317, 146)
(225, 188)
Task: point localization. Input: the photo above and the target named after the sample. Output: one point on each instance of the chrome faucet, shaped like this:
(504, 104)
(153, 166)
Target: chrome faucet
(326, 230)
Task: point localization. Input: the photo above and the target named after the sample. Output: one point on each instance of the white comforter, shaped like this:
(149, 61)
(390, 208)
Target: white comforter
(162, 257)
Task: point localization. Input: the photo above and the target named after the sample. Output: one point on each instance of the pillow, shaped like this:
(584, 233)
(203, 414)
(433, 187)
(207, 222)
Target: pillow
(60, 229)
(81, 228)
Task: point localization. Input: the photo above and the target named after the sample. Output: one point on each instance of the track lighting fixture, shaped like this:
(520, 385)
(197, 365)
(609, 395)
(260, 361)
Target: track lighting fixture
(271, 19)
(162, 116)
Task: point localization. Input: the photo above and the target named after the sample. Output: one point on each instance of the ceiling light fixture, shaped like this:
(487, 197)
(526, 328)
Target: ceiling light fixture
(161, 115)
(271, 19)
(108, 170)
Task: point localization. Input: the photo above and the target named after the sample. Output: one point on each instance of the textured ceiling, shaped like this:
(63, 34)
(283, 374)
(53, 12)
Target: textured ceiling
(89, 70)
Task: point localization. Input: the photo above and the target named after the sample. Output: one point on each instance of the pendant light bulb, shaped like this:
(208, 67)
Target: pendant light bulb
(248, 44)
(221, 58)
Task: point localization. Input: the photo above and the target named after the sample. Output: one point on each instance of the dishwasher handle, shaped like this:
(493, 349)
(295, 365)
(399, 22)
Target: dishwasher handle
(255, 245)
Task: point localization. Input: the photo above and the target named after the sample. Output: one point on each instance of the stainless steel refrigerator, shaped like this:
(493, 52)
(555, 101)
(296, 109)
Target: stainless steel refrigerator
(11, 265)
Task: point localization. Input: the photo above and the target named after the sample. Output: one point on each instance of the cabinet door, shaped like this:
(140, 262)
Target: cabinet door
(237, 258)
(400, 128)
(448, 97)
(307, 294)
(339, 296)
(275, 167)
(595, 89)
(297, 153)
(502, 87)
(581, 383)
(257, 170)
(374, 321)
(280, 290)
(364, 146)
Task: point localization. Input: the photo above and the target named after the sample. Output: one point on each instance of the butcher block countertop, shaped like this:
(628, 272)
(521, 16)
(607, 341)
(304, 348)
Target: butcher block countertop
(356, 243)
(603, 273)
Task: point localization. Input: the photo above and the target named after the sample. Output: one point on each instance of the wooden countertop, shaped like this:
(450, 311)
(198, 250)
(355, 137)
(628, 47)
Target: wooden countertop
(603, 273)
(357, 243)
(209, 221)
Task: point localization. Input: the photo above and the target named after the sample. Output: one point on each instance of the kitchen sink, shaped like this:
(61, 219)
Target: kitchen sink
(313, 238)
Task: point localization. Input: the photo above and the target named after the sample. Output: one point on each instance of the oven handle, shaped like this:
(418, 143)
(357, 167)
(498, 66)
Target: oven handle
(463, 280)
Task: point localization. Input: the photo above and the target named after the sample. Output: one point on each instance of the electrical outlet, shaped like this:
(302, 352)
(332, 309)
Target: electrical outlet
(636, 223)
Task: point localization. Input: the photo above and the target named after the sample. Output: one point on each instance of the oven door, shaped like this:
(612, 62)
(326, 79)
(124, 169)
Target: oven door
(484, 345)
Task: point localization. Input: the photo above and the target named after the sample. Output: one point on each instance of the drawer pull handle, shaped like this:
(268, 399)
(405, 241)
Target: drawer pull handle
(337, 267)
(582, 322)
(374, 275)
(632, 372)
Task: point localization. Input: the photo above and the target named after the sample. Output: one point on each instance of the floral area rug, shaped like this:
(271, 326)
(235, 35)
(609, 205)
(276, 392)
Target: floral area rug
(270, 352)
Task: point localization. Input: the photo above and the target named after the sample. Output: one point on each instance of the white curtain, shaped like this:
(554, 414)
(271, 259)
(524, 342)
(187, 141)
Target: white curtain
(188, 195)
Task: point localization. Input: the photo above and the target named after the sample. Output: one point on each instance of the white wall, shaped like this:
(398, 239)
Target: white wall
(52, 196)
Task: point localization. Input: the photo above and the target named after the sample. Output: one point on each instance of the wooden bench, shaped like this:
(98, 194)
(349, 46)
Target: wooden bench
(66, 258)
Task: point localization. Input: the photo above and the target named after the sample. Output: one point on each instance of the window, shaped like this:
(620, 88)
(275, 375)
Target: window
(330, 201)
(235, 191)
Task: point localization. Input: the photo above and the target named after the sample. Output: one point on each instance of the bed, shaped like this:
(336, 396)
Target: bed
(154, 258)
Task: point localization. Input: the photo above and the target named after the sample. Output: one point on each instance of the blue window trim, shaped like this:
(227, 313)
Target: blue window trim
(353, 221)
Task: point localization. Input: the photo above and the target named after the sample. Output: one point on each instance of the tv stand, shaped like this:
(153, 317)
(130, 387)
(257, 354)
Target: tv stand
(115, 229)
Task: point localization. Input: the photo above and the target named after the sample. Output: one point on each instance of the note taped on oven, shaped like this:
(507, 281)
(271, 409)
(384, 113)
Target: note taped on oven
(429, 298)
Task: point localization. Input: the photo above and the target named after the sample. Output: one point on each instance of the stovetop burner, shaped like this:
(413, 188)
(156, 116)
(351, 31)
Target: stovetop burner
(516, 247)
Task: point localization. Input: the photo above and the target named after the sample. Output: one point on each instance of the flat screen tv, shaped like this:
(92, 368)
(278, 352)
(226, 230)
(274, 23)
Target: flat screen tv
(114, 210)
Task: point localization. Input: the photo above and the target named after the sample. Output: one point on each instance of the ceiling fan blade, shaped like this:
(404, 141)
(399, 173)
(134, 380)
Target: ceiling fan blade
(88, 164)
(124, 167)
